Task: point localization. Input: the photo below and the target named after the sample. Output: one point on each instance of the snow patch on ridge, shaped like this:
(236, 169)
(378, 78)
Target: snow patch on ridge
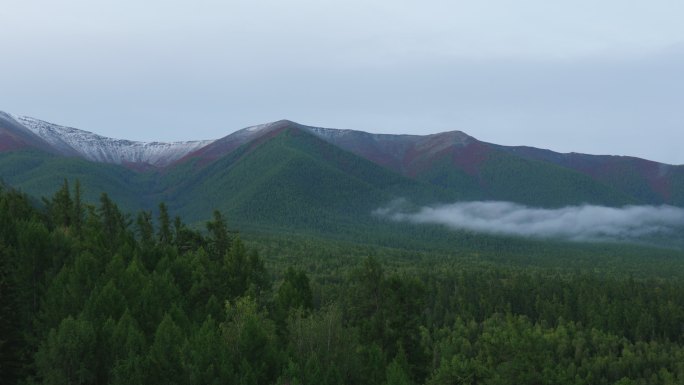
(98, 148)
(258, 127)
(330, 133)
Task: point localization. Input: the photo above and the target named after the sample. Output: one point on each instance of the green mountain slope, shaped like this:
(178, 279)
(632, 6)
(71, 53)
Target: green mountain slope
(538, 183)
(501, 176)
(290, 181)
(40, 174)
(294, 181)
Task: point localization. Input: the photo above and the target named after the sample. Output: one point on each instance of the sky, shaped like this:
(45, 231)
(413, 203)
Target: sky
(599, 77)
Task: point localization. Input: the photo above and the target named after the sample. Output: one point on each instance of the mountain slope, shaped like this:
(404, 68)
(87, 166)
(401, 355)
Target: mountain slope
(645, 180)
(41, 174)
(291, 179)
(14, 136)
(288, 180)
(67, 141)
(478, 170)
(286, 174)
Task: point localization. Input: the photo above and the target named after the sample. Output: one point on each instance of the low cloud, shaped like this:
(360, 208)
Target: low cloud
(577, 223)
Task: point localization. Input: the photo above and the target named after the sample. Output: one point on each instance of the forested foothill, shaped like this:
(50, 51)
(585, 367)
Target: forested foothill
(92, 295)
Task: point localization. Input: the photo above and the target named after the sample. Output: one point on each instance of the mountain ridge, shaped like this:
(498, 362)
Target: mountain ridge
(445, 166)
(340, 137)
(69, 141)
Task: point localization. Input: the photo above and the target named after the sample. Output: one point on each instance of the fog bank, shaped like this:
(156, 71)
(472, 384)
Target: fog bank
(576, 223)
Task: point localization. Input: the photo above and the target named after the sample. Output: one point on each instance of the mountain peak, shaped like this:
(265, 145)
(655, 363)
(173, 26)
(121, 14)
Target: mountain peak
(278, 124)
(285, 122)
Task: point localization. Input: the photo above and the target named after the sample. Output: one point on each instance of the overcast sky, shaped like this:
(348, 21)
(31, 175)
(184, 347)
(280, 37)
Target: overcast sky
(584, 75)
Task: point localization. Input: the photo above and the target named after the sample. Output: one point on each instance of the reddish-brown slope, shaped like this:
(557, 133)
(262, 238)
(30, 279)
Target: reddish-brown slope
(14, 136)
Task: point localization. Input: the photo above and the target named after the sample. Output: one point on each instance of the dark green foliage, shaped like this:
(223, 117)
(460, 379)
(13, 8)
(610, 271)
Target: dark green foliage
(77, 213)
(388, 312)
(515, 179)
(67, 356)
(322, 339)
(103, 305)
(242, 272)
(251, 340)
(60, 207)
(127, 352)
(41, 174)
(398, 372)
(205, 358)
(294, 292)
(166, 355)
(164, 235)
(113, 221)
(218, 236)
(10, 327)
(513, 350)
(145, 228)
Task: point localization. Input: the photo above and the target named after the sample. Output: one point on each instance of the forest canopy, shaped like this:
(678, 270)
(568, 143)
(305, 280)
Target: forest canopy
(92, 295)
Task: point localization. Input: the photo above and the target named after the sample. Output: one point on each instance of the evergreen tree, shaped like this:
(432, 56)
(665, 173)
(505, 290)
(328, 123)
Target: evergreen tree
(77, 215)
(166, 355)
(178, 230)
(251, 338)
(145, 227)
(68, 355)
(293, 293)
(128, 352)
(207, 357)
(61, 206)
(218, 236)
(11, 341)
(398, 372)
(113, 221)
(164, 232)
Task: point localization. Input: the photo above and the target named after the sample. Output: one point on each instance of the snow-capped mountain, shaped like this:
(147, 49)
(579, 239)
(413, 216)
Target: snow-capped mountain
(70, 141)
(392, 151)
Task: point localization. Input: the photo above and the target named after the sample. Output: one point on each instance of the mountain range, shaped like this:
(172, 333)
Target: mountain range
(284, 175)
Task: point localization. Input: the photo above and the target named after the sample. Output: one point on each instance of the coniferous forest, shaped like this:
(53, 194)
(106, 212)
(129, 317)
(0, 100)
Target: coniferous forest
(92, 295)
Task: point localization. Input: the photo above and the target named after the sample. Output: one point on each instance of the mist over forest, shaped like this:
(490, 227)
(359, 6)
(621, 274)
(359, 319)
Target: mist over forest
(573, 223)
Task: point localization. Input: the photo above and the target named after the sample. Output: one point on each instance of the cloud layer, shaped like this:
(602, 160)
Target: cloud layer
(576, 223)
